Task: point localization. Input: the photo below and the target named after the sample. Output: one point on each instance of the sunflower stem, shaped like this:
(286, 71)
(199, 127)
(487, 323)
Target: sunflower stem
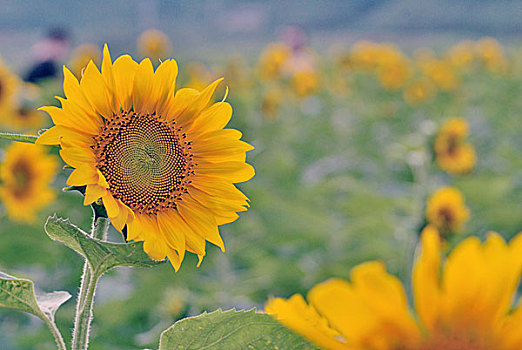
(56, 333)
(18, 137)
(85, 304)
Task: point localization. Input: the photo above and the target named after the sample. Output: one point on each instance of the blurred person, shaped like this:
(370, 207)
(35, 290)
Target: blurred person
(49, 53)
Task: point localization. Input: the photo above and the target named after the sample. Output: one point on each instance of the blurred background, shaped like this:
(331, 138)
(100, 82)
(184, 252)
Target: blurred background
(359, 111)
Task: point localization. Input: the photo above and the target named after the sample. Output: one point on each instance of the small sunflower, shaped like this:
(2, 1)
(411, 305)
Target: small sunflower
(159, 159)
(442, 74)
(305, 83)
(272, 60)
(446, 210)
(9, 84)
(452, 153)
(419, 91)
(154, 44)
(465, 304)
(26, 173)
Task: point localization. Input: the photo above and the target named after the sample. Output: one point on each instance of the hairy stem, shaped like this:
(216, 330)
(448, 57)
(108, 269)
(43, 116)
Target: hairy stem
(18, 137)
(56, 333)
(84, 306)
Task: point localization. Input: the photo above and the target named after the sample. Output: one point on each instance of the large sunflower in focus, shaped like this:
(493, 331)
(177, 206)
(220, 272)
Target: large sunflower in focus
(25, 173)
(159, 159)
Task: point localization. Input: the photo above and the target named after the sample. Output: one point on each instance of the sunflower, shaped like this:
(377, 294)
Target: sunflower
(154, 44)
(272, 60)
(453, 154)
(26, 172)
(465, 304)
(419, 91)
(305, 83)
(442, 74)
(159, 159)
(446, 210)
(81, 56)
(9, 84)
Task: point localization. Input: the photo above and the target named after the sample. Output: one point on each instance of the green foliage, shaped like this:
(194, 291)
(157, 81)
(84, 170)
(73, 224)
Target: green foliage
(231, 330)
(19, 294)
(102, 256)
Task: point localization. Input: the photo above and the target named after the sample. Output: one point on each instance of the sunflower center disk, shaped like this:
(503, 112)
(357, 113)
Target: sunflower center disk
(146, 161)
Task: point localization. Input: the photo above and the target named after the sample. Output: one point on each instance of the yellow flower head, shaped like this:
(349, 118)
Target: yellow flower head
(453, 154)
(9, 85)
(446, 210)
(364, 55)
(419, 91)
(154, 44)
(158, 158)
(442, 75)
(305, 83)
(272, 60)
(464, 304)
(26, 173)
(81, 56)
(271, 102)
(394, 73)
(491, 53)
(461, 55)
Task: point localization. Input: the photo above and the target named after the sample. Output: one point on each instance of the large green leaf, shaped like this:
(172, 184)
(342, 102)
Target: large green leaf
(17, 293)
(231, 330)
(101, 255)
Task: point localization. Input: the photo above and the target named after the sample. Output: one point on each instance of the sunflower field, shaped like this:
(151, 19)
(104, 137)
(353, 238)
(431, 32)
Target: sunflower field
(362, 196)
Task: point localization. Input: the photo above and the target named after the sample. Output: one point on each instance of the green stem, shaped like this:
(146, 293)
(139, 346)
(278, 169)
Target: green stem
(18, 137)
(84, 306)
(56, 333)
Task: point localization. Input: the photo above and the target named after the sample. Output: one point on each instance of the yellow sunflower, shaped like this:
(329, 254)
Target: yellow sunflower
(154, 44)
(26, 173)
(419, 91)
(464, 304)
(159, 159)
(447, 210)
(9, 84)
(272, 60)
(452, 153)
(305, 83)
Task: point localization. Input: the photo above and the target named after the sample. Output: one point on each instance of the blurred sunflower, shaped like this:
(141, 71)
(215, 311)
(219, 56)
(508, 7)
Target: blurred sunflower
(26, 173)
(461, 55)
(305, 83)
(464, 304)
(442, 75)
(159, 159)
(154, 44)
(272, 60)
(271, 102)
(453, 154)
(419, 91)
(447, 211)
(9, 85)
(491, 54)
(81, 56)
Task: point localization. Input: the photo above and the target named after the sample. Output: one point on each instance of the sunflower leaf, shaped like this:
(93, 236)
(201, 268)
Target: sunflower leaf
(18, 293)
(231, 330)
(101, 255)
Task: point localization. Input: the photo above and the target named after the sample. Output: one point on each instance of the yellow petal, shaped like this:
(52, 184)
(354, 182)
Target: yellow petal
(143, 83)
(93, 193)
(215, 117)
(173, 232)
(83, 175)
(124, 69)
(111, 205)
(232, 171)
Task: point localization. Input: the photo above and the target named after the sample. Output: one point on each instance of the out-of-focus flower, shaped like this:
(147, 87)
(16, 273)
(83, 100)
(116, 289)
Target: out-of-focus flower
(198, 75)
(464, 304)
(394, 73)
(9, 85)
(419, 91)
(272, 60)
(155, 45)
(447, 211)
(442, 75)
(462, 55)
(452, 153)
(423, 57)
(26, 173)
(81, 56)
(491, 54)
(159, 159)
(364, 55)
(305, 83)
(271, 102)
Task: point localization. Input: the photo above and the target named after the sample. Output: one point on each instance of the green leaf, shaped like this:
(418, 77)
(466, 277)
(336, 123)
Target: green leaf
(17, 293)
(231, 330)
(101, 255)
(18, 137)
